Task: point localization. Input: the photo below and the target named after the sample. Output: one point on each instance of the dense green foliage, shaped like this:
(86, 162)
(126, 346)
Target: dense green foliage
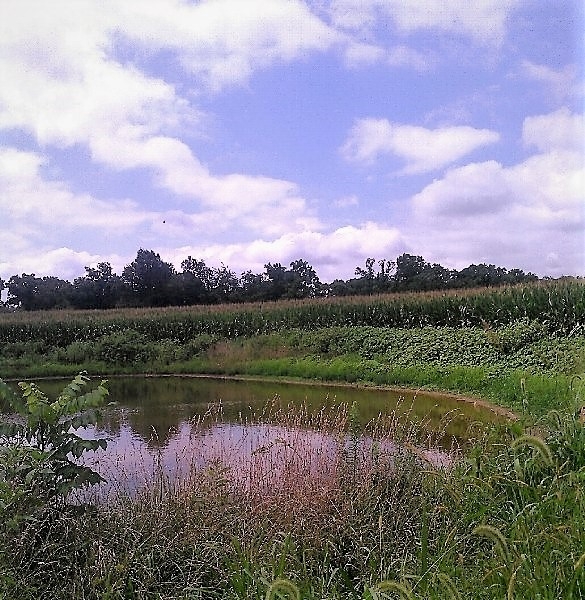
(518, 346)
(149, 281)
(39, 448)
(559, 307)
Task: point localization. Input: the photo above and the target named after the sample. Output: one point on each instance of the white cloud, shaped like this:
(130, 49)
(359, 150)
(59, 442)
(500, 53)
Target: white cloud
(561, 83)
(62, 262)
(60, 83)
(544, 190)
(483, 21)
(403, 56)
(347, 201)
(333, 254)
(65, 88)
(26, 197)
(422, 149)
(558, 130)
(526, 215)
(260, 204)
(359, 54)
(223, 42)
(42, 209)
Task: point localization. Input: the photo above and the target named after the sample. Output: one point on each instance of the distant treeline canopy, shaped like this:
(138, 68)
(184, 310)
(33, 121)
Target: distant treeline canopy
(149, 281)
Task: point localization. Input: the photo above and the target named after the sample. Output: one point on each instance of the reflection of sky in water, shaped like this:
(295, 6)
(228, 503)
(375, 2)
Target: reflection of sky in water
(260, 456)
(158, 427)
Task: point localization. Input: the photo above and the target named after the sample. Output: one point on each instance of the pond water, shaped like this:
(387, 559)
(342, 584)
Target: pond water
(167, 429)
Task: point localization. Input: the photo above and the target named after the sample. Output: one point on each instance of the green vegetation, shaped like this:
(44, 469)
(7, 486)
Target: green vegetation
(518, 346)
(504, 521)
(149, 281)
(38, 446)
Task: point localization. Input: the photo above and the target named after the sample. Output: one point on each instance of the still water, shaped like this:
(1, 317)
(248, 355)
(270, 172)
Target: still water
(174, 427)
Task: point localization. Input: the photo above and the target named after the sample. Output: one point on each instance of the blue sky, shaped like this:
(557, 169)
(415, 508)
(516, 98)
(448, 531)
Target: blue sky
(251, 131)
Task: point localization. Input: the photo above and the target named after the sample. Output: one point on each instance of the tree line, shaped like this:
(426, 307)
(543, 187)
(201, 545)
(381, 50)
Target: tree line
(149, 281)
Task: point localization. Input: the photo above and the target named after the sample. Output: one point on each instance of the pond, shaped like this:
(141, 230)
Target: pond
(167, 429)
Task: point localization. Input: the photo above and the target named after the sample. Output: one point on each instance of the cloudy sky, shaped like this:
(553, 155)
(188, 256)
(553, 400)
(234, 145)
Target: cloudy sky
(250, 131)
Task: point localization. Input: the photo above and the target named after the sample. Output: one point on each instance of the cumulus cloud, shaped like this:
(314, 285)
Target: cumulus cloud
(559, 130)
(62, 262)
(333, 254)
(66, 88)
(223, 42)
(422, 149)
(261, 204)
(530, 213)
(27, 197)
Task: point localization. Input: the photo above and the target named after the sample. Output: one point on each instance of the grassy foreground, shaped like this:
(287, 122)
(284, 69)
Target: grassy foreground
(343, 521)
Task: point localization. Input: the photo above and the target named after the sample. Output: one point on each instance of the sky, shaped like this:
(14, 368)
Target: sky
(242, 132)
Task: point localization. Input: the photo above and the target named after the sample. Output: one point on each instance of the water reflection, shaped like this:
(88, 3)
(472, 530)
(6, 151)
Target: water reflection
(155, 407)
(171, 428)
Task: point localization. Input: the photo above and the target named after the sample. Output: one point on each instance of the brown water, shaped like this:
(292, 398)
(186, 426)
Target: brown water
(176, 426)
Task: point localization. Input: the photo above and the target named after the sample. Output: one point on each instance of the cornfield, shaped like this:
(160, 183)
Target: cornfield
(558, 305)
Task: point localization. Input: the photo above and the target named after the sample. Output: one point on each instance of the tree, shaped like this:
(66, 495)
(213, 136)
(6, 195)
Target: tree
(224, 284)
(519, 276)
(408, 267)
(432, 277)
(148, 278)
(277, 279)
(368, 272)
(369, 281)
(480, 275)
(29, 292)
(38, 452)
(99, 288)
(303, 281)
(199, 270)
(195, 282)
(253, 287)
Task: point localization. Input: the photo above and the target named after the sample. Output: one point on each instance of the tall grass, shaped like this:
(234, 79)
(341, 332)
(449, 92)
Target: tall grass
(359, 514)
(325, 504)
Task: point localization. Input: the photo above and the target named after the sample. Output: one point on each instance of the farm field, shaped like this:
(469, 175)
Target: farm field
(518, 346)
(504, 520)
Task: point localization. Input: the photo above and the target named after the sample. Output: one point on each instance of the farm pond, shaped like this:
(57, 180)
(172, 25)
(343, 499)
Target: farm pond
(164, 430)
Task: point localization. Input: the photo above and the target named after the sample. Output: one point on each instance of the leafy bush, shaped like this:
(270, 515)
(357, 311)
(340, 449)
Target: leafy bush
(124, 347)
(38, 446)
(516, 335)
(20, 349)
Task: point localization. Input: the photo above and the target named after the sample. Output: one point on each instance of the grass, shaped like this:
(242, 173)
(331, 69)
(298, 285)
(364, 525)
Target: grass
(521, 365)
(330, 522)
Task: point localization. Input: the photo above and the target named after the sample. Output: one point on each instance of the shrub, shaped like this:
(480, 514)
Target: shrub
(38, 446)
(124, 347)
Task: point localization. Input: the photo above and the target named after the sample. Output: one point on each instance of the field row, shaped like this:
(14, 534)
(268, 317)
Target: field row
(557, 306)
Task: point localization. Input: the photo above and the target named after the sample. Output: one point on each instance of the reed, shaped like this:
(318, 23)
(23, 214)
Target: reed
(353, 514)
